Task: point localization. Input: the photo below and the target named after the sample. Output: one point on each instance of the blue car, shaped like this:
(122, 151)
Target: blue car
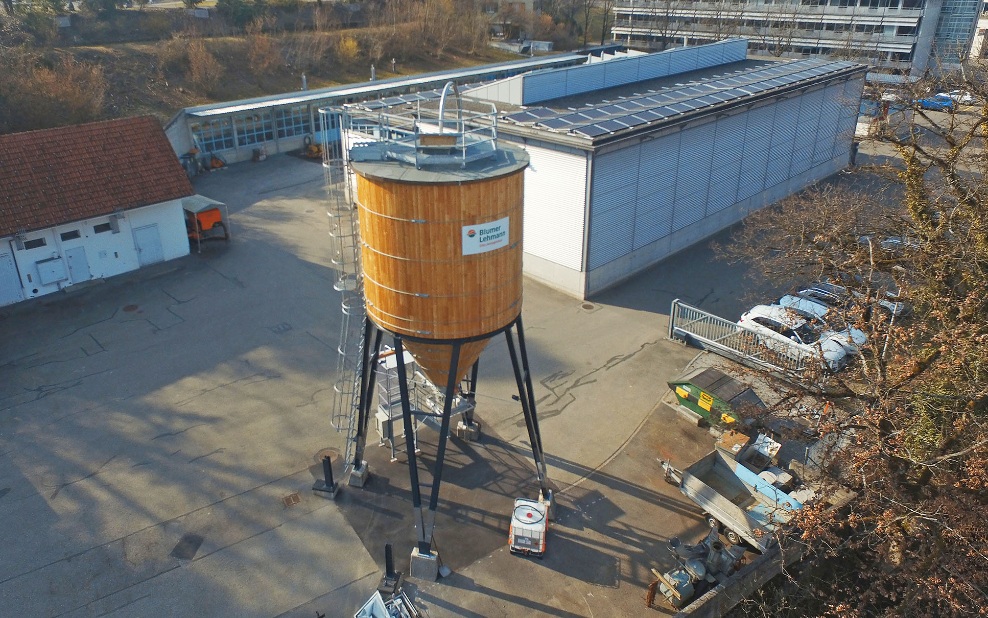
(937, 103)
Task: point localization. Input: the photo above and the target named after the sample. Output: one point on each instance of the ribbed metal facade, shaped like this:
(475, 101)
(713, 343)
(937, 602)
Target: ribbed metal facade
(651, 191)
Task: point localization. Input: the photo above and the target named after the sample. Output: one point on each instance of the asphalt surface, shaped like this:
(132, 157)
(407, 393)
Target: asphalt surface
(160, 433)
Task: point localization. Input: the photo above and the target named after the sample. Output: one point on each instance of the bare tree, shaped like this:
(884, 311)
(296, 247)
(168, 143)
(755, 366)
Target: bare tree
(912, 542)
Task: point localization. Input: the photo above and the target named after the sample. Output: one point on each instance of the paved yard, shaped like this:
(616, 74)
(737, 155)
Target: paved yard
(154, 428)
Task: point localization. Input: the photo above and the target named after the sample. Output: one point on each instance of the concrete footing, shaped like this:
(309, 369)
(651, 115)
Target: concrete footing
(470, 433)
(424, 567)
(358, 476)
(321, 489)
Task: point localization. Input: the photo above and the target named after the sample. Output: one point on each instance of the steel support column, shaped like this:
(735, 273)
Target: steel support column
(527, 398)
(368, 364)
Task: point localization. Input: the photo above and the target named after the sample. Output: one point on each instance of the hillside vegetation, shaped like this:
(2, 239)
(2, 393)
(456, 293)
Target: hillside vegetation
(119, 63)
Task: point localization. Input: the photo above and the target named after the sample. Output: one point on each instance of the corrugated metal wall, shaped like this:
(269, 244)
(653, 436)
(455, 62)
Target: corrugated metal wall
(555, 205)
(650, 190)
(547, 85)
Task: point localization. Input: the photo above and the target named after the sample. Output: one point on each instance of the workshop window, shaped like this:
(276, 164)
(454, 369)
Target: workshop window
(70, 235)
(293, 121)
(34, 243)
(102, 227)
(254, 128)
(213, 135)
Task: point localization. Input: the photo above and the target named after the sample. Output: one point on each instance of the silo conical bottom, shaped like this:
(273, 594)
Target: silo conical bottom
(434, 358)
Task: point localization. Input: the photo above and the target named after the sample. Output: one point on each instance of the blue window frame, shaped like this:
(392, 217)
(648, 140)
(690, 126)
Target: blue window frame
(213, 135)
(293, 121)
(254, 128)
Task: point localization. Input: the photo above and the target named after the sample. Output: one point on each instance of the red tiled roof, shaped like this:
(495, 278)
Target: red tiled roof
(56, 176)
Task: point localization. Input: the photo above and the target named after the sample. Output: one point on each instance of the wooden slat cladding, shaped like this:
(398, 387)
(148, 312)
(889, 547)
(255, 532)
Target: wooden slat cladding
(416, 279)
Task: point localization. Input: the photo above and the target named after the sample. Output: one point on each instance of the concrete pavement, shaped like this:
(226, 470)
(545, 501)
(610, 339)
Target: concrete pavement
(159, 433)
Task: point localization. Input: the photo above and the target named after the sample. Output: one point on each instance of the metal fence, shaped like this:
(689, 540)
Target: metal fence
(726, 338)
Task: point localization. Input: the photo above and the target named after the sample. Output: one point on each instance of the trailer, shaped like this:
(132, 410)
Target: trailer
(741, 490)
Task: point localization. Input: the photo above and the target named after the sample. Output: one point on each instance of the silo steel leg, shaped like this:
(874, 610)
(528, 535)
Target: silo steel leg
(472, 394)
(527, 399)
(365, 398)
(425, 518)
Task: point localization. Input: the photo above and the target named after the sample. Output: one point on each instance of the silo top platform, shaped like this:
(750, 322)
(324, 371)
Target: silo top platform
(372, 160)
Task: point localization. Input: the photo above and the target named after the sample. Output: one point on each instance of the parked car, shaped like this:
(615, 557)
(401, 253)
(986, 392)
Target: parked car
(959, 96)
(840, 298)
(790, 334)
(851, 338)
(937, 103)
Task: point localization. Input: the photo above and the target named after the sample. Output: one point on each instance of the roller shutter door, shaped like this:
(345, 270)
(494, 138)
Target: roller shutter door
(555, 202)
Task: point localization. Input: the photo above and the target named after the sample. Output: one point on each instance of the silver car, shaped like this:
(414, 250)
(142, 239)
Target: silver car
(786, 332)
(851, 338)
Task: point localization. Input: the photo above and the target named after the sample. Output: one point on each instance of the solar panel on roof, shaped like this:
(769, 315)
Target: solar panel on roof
(633, 120)
(524, 117)
(591, 131)
(593, 112)
(649, 115)
(706, 100)
(612, 125)
(613, 109)
(541, 112)
(374, 105)
(555, 123)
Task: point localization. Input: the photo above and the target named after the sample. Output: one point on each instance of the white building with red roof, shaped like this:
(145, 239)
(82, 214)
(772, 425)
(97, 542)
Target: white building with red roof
(87, 202)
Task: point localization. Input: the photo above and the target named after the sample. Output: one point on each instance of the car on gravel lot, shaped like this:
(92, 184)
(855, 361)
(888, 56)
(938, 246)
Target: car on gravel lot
(959, 96)
(936, 103)
(840, 298)
(790, 334)
(816, 312)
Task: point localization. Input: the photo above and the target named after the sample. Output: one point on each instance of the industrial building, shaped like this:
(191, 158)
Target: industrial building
(87, 202)
(239, 130)
(636, 158)
(904, 37)
(633, 156)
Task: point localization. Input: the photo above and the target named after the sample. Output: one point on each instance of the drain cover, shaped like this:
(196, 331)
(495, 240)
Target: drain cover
(284, 327)
(292, 499)
(589, 306)
(187, 547)
(130, 308)
(332, 453)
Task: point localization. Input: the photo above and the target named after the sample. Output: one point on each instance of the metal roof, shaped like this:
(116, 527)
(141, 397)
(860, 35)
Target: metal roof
(365, 89)
(594, 121)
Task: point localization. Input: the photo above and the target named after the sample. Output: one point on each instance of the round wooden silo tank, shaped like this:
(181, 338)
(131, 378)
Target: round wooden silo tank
(441, 253)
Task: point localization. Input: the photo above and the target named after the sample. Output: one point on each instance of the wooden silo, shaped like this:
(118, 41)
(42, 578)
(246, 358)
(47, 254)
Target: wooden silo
(441, 253)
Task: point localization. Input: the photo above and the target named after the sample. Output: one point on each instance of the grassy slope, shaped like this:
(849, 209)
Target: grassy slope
(137, 86)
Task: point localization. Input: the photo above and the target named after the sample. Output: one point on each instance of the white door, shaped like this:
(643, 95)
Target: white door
(10, 283)
(78, 264)
(148, 243)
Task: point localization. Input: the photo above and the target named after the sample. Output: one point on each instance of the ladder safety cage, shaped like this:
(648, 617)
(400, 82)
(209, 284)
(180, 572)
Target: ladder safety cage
(344, 236)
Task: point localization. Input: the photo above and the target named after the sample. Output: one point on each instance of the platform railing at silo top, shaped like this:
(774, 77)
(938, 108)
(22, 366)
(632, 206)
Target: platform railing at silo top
(423, 135)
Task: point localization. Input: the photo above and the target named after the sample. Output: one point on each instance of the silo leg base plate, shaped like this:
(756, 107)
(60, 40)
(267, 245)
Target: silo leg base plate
(320, 488)
(358, 476)
(470, 433)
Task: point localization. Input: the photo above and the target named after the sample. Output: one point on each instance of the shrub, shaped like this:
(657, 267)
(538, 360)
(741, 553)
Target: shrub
(205, 70)
(347, 49)
(241, 12)
(173, 56)
(263, 51)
